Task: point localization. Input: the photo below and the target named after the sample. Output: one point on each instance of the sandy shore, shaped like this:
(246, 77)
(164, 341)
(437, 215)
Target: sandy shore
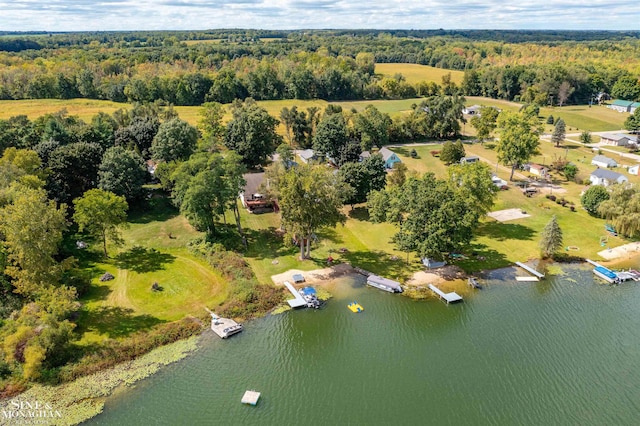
(438, 277)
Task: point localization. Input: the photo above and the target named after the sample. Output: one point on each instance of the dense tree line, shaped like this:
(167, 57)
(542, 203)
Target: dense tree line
(553, 67)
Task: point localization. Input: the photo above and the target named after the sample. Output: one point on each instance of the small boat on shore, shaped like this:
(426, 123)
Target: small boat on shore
(473, 282)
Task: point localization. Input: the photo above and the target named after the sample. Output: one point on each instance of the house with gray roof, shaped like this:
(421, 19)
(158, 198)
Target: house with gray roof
(307, 155)
(618, 139)
(390, 158)
(604, 161)
(606, 177)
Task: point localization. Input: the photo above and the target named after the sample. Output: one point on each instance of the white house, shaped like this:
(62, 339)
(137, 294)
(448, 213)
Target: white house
(538, 170)
(606, 177)
(604, 161)
(617, 139)
(390, 158)
(634, 170)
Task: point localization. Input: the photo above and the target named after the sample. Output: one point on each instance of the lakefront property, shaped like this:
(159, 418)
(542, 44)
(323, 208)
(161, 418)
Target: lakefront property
(183, 198)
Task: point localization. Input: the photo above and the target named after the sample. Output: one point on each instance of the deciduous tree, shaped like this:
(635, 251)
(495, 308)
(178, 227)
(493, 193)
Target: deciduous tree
(623, 209)
(485, 122)
(310, 198)
(519, 138)
(102, 214)
(252, 133)
(176, 140)
(122, 172)
(592, 197)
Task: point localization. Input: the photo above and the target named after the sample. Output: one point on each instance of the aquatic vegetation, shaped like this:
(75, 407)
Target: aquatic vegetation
(323, 294)
(281, 309)
(83, 398)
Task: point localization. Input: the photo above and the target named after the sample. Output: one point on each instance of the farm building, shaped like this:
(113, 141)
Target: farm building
(604, 161)
(538, 170)
(606, 177)
(618, 139)
(390, 158)
(620, 105)
(470, 159)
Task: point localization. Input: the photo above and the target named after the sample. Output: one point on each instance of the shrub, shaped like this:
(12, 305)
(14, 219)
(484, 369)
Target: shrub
(435, 153)
(490, 145)
(414, 153)
(550, 119)
(551, 197)
(113, 352)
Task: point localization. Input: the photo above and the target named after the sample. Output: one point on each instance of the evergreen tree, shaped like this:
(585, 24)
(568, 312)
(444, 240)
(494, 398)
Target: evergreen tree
(559, 132)
(551, 240)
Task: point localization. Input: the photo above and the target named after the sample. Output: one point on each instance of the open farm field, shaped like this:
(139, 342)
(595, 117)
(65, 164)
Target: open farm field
(415, 73)
(34, 108)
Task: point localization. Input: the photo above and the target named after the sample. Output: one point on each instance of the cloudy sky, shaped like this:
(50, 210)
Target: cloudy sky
(80, 15)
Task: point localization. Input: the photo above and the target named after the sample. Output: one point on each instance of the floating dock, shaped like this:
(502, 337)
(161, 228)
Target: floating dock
(297, 301)
(530, 270)
(527, 279)
(447, 297)
(250, 397)
(384, 284)
(613, 277)
(224, 327)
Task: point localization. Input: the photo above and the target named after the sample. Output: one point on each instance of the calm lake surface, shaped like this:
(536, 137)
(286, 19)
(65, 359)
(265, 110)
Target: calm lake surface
(565, 351)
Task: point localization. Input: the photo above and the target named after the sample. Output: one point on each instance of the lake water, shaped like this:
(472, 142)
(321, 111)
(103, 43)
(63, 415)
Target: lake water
(565, 351)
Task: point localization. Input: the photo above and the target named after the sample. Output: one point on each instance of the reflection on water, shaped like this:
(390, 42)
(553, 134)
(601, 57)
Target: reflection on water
(562, 351)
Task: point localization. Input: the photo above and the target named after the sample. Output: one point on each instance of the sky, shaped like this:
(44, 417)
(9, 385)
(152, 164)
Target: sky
(103, 15)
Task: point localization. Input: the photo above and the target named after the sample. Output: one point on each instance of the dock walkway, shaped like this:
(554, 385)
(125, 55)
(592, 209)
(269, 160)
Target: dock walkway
(447, 297)
(297, 301)
(530, 270)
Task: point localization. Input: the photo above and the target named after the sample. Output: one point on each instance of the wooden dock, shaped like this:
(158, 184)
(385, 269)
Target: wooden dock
(530, 270)
(447, 297)
(297, 301)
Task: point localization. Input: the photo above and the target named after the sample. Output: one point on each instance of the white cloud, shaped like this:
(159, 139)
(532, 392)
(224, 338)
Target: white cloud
(79, 15)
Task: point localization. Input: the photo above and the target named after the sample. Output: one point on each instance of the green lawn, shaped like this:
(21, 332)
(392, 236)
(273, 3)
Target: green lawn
(500, 244)
(154, 252)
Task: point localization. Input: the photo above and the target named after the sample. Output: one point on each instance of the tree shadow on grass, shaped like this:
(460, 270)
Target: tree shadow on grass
(506, 231)
(115, 321)
(157, 209)
(380, 263)
(267, 244)
(359, 213)
(481, 257)
(142, 260)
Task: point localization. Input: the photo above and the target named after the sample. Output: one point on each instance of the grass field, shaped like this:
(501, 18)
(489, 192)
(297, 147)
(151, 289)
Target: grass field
(495, 243)
(415, 73)
(154, 251)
